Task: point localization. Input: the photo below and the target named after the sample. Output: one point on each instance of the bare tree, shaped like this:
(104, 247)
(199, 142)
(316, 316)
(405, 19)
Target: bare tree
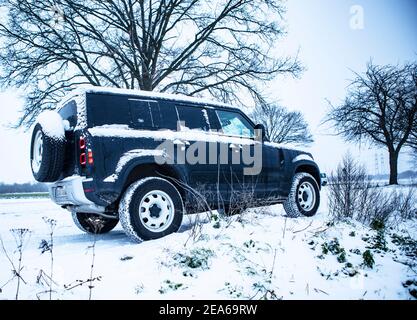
(283, 126)
(380, 108)
(217, 48)
(413, 142)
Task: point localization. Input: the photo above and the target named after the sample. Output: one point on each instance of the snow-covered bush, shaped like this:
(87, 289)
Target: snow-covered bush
(405, 203)
(352, 195)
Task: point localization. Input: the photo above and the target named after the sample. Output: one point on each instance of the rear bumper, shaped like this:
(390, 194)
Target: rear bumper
(70, 193)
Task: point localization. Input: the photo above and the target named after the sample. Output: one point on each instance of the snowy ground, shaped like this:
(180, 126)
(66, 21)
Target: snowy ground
(260, 255)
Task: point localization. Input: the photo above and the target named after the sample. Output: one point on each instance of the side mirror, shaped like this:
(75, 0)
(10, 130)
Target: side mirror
(260, 132)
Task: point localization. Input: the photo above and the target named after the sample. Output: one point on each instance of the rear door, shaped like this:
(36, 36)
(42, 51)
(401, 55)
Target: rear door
(108, 110)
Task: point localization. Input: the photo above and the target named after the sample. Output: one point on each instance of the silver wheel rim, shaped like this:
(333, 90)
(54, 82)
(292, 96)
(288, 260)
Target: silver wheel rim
(306, 196)
(156, 211)
(37, 152)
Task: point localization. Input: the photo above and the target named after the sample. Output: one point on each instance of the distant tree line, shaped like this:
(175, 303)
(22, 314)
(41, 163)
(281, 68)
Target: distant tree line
(22, 188)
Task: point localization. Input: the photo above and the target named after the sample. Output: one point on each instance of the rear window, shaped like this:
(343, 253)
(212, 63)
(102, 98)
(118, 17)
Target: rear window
(105, 109)
(194, 118)
(69, 112)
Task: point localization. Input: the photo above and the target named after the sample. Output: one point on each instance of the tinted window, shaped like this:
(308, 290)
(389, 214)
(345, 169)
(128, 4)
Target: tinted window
(145, 114)
(107, 109)
(214, 120)
(235, 124)
(195, 118)
(169, 116)
(69, 112)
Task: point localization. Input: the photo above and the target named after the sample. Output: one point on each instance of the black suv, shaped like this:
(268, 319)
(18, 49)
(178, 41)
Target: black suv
(146, 159)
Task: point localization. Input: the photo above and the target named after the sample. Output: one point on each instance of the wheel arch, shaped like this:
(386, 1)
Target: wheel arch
(310, 168)
(149, 169)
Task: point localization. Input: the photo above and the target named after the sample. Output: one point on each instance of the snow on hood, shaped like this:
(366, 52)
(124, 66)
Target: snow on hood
(52, 124)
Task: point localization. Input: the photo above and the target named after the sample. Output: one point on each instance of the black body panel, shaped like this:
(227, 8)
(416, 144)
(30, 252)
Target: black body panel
(124, 132)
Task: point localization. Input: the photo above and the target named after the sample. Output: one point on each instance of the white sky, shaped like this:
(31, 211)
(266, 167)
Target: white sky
(328, 47)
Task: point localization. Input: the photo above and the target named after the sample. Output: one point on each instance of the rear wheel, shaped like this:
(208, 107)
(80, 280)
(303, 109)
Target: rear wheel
(94, 223)
(150, 209)
(304, 197)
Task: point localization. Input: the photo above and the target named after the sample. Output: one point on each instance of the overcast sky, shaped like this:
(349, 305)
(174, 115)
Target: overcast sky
(321, 30)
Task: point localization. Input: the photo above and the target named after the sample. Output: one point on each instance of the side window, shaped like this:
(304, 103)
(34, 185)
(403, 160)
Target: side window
(105, 109)
(169, 116)
(145, 114)
(214, 120)
(234, 124)
(195, 118)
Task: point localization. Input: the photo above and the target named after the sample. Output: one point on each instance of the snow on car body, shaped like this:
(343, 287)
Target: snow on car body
(138, 157)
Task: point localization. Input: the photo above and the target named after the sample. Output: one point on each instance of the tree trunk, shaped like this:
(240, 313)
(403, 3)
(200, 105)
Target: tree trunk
(393, 167)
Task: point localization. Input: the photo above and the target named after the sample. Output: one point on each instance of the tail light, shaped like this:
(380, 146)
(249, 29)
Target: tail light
(90, 157)
(83, 159)
(82, 143)
(86, 155)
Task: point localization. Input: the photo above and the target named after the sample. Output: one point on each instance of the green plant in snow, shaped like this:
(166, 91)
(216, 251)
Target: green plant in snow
(234, 291)
(249, 244)
(168, 285)
(368, 259)
(407, 244)
(197, 259)
(332, 246)
(216, 221)
(342, 257)
(377, 224)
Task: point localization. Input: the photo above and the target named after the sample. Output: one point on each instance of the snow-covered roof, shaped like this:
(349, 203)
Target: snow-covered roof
(142, 94)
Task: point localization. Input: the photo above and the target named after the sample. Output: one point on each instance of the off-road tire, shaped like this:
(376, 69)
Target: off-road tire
(132, 223)
(52, 157)
(93, 223)
(292, 205)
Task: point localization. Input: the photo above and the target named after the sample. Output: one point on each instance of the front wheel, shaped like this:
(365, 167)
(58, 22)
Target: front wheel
(304, 197)
(151, 208)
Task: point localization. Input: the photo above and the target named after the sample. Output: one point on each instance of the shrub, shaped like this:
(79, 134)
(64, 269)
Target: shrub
(368, 259)
(168, 285)
(342, 257)
(405, 203)
(333, 247)
(353, 196)
(407, 244)
(198, 258)
(377, 224)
